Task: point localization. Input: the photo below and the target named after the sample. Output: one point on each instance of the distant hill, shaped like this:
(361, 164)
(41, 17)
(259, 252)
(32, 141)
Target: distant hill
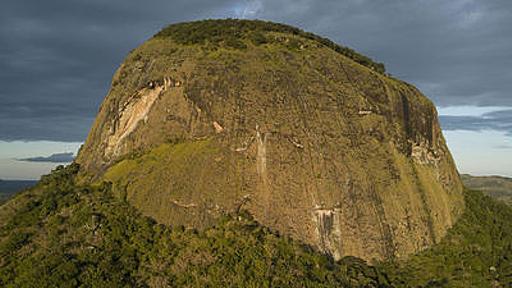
(495, 186)
(9, 187)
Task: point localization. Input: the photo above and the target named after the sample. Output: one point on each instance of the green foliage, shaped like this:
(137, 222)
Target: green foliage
(258, 38)
(61, 234)
(476, 252)
(232, 32)
(14, 242)
(83, 236)
(235, 43)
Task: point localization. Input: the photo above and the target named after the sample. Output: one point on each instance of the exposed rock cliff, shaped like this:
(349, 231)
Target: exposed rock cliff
(313, 142)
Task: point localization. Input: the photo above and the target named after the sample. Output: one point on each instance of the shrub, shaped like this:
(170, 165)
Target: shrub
(227, 30)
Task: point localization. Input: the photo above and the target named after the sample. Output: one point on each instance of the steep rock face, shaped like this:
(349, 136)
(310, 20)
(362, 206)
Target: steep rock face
(311, 143)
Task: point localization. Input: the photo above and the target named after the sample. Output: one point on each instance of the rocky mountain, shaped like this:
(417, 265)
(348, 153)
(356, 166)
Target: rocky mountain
(312, 139)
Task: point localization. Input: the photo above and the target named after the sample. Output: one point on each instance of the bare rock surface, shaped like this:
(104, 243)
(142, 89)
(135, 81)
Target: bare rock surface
(310, 142)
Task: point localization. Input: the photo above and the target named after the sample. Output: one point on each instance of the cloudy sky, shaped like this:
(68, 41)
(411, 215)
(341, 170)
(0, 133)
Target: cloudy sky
(57, 58)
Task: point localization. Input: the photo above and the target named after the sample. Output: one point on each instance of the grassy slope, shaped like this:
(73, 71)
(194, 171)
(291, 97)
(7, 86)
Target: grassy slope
(59, 234)
(133, 176)
(494, 186)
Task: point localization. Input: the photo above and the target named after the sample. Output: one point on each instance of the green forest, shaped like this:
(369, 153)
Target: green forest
(63, 234)
(234, 33)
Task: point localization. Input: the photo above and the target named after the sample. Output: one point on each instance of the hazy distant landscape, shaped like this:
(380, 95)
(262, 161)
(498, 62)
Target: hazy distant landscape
(495, 186)
(10, 187)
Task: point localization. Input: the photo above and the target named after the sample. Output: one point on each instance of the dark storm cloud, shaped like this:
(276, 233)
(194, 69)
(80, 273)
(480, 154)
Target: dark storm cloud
(57, 57)
(54, 158)
(498, 121)
(457, 52)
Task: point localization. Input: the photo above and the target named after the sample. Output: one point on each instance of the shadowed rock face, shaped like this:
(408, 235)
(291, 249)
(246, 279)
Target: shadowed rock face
(309, 142)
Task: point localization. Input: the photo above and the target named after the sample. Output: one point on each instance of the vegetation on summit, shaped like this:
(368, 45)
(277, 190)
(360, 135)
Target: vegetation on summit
(234, 33)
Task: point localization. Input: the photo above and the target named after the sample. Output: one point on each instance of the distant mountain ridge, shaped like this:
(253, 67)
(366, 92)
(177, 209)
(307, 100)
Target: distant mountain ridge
(66, 157)
(498, 187)
(10, 187)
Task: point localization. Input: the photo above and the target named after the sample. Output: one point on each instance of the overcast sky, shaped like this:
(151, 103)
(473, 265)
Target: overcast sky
(57, 58)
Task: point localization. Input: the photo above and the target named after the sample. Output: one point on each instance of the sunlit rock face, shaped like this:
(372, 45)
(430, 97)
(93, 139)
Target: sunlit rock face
(306, 140)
